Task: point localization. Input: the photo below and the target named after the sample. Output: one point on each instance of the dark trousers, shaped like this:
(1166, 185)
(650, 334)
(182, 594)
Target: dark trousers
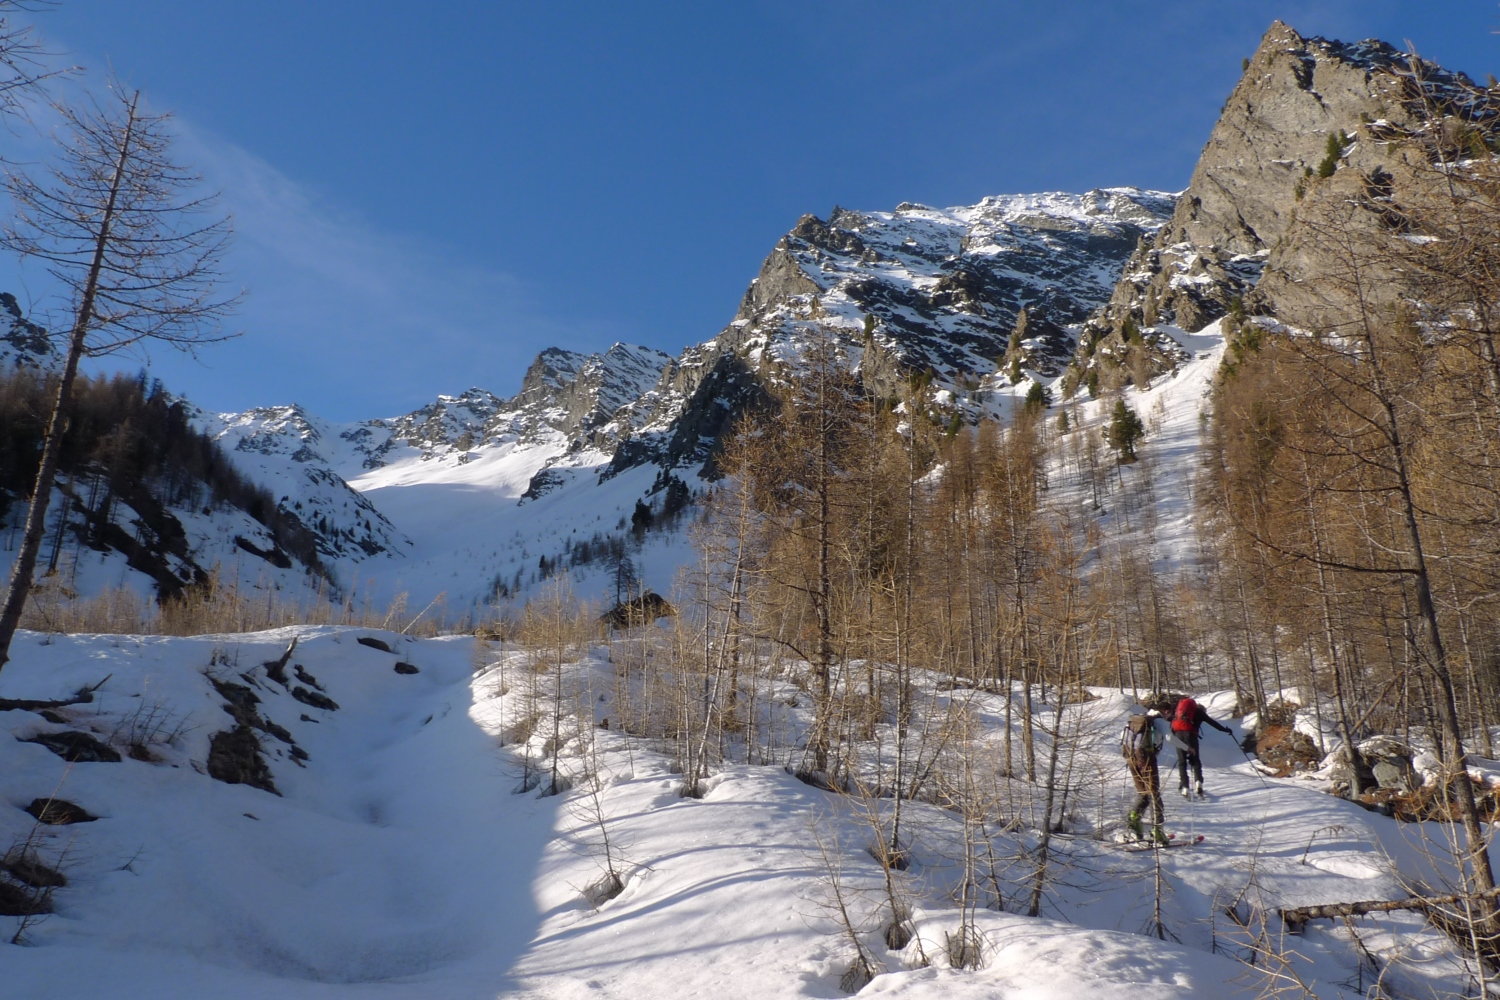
(1147, 778)
(1186, 758)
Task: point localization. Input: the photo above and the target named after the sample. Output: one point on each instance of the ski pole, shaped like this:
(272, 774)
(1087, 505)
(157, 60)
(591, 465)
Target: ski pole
(1253, 769)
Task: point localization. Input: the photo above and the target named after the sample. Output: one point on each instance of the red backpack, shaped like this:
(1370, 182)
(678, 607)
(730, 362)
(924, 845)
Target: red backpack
(1185, 717)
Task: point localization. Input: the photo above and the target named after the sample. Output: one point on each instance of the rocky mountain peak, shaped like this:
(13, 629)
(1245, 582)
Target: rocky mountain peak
(940, 288)
(553, 370)
(1268, 151)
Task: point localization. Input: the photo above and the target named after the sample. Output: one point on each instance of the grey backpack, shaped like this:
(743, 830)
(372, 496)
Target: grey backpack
(1139, 737)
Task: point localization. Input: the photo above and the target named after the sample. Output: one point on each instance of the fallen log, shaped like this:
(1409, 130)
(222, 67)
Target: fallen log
(83, 696)
(1296, 917)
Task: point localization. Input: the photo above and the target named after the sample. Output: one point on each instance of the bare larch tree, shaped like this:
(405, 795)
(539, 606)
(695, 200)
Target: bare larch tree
(122, 229)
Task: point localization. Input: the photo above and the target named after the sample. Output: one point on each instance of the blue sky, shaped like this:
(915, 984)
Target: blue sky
(428, 194)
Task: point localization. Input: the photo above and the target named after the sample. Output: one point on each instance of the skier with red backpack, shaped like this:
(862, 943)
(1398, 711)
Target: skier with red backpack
(1187, 725)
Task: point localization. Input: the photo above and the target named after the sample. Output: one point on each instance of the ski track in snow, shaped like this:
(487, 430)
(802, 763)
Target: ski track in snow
(401, 863)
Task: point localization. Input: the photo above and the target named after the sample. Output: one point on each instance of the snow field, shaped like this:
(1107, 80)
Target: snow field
(402, 862)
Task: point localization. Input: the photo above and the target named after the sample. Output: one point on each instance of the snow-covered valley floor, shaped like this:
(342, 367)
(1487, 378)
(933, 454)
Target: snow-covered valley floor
(400, 861)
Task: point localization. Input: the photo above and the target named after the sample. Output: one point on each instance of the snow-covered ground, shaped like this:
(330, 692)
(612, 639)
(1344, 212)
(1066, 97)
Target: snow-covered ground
(1172, 408)
(402, 861)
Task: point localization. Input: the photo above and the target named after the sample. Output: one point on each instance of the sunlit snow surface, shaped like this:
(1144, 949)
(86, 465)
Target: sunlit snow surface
(402, 862)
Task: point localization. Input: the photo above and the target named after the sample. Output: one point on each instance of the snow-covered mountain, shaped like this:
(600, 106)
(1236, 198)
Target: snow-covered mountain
(429, 502)
(464, 496)
(473, 494)
(942, 290)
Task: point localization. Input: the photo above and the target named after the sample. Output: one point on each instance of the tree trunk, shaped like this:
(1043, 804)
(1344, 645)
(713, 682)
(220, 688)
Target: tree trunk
(1430, 636)
(57, 425)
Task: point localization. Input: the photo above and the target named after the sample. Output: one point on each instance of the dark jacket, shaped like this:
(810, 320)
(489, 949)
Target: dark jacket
(1200, 716)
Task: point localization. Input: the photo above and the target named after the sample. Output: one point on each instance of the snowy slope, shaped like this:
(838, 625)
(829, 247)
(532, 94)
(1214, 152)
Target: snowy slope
(297, 456)
(464, 496)
(1172, 408)
(434, 502)
(398, 861)
(211, 544)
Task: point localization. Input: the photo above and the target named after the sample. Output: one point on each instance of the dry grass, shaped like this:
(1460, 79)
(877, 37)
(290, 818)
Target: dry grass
(216, 608)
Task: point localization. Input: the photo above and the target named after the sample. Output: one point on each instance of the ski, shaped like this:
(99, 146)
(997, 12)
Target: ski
(1172, 841)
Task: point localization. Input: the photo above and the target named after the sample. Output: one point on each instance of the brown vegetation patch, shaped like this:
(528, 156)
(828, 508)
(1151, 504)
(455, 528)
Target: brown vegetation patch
(1285, 750)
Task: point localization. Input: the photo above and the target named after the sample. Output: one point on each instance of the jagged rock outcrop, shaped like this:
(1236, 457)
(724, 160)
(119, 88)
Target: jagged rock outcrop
(940, 290)
(580, 396)
(1268, 157)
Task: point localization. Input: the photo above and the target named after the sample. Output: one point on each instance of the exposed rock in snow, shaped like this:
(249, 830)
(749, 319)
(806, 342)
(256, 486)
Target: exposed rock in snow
(23, 344)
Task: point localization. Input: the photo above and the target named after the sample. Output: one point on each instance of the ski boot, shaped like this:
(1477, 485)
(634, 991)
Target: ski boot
(1185, 793)
(1197, 791)
(1133, 824)
(1159, 837)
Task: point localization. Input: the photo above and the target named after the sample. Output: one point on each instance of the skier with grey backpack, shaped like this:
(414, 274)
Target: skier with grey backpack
(1141, 741)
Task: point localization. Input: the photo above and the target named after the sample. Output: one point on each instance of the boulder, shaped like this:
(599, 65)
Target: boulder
(315, 699)
(1395, 772)
(58, 812)
(234, 757)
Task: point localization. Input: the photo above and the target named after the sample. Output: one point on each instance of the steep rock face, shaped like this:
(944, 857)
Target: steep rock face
(23, 344)
(1394, 167)
(580, 396)
(1263, 158)
(940, 289)
(945, 286)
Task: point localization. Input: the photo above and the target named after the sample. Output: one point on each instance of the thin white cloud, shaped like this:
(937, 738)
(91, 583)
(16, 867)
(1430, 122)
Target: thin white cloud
(341, 316)
(359, 308)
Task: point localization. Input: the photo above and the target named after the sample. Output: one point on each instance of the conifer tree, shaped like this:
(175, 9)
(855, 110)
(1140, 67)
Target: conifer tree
(1125, 430)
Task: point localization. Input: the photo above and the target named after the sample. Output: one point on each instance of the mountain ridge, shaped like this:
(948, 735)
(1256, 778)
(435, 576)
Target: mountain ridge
(1073, 292)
